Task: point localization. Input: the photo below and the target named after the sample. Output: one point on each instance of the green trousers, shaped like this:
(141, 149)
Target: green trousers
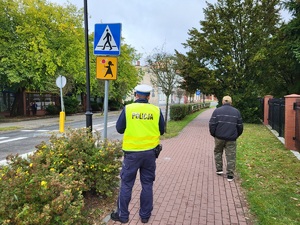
(230, 153)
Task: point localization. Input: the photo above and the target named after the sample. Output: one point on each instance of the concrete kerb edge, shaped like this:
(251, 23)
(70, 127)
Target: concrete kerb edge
(281, 139)
(6, 162)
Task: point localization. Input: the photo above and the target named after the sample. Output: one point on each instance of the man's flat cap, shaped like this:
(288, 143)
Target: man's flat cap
(227, 99)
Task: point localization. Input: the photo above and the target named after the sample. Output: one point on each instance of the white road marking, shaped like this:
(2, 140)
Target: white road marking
(110, 124)
(35, 130)
(3, 138)
(13, 139)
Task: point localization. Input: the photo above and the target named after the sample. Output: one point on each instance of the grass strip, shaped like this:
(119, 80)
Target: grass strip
(9, 128)
(270, 176)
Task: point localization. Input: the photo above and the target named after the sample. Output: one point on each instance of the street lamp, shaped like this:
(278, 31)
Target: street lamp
(88, 112)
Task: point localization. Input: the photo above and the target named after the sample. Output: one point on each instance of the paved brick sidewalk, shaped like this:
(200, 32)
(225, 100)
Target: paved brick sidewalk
(187, 190)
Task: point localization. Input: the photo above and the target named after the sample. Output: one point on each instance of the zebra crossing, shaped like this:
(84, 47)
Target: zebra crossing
(99, 127)
(5, 139)
(8, 139)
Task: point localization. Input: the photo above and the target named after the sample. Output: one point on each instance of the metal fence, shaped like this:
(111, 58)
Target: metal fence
(276, 118)
(297, 133)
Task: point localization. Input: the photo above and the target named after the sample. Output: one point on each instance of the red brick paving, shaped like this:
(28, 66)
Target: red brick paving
(187, 190)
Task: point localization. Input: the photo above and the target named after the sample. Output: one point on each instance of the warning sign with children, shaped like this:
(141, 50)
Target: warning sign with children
(106, 68)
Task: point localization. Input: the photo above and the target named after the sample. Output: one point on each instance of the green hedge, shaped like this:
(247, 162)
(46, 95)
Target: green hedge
(52, 109)
(71, 104)
(179, 111)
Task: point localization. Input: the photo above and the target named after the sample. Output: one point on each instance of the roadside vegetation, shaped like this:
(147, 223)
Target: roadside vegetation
(270, 177)
(9, 128)
(61, 181)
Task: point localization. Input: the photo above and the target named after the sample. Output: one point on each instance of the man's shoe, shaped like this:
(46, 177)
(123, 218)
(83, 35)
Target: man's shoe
(219, 172)
(115, 217)
(145, 220)
(230, 178)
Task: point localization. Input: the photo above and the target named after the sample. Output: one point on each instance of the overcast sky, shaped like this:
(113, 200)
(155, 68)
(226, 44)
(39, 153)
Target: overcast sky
(147, 25)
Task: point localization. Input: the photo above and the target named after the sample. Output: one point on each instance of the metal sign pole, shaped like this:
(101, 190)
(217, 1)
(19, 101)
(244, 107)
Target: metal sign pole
(61, 95)
(61, 82)
(107, 35)
(105, 108)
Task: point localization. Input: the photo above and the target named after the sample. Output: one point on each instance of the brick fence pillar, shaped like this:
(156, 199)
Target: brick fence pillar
(266, 108)
(290, 121)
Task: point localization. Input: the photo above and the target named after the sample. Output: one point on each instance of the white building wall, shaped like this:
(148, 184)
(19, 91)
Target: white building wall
(157, 97)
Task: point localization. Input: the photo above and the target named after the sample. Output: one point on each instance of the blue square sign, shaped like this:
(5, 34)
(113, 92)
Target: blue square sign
(107, 39)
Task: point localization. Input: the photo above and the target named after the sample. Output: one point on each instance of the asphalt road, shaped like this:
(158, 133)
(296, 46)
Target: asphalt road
(27, 134)
(33, 132)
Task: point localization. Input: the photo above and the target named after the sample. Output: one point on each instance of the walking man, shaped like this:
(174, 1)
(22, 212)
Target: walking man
(142, 124)
(226, 125)
(108, 40)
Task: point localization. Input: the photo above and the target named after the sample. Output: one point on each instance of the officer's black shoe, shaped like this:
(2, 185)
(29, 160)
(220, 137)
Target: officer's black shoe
(145, 220)
(115, 217)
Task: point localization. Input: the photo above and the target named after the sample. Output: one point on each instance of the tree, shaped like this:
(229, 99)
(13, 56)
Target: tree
(164, 76)
(231, 37)
(39, 41)
(179, 93)
(276, 62)
(292, 30)
(194, 73)
(279, 69)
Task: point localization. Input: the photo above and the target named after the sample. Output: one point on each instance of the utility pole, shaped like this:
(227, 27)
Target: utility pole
(88, 112)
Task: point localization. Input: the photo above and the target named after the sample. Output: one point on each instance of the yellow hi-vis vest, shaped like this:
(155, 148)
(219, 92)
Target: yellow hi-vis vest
(142, 129)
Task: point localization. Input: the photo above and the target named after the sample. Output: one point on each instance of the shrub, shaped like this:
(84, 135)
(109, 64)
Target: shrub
(178, 111)
(128, 102)
(52, 109)
(48, 186)
(189, 108)
(114, 105)
(93, 160)
(96, 106)
(33, 194)
(71, 104)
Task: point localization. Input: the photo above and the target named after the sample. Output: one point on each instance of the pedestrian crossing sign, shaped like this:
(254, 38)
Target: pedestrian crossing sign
(107, 39)
(106, 68)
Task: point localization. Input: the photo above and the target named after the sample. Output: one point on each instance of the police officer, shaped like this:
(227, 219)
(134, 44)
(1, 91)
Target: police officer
(142, 124)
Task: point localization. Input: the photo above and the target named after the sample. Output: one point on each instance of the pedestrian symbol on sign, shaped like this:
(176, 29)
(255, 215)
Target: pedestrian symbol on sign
(107, 41)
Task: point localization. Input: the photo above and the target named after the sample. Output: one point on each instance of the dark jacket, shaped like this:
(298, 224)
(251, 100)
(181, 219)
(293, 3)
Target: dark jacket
(226, 123)
(121, 122)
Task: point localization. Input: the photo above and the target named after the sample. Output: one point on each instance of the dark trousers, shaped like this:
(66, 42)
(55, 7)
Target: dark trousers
(230, 153)
(145, 163)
